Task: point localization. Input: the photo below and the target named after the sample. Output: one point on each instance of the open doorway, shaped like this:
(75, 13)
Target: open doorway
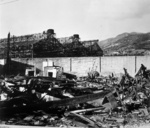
(30, 73)
(50, 74)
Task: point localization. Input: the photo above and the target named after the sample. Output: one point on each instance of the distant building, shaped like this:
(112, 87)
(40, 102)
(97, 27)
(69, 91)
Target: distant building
(47, 45)
(89, 42)
(64, 40)
(93, 47)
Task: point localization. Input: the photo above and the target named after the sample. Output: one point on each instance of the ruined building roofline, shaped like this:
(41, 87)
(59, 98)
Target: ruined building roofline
(39, 36)
(22, 35)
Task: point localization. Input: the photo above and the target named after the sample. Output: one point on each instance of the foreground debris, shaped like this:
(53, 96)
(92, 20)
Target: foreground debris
(93, 101)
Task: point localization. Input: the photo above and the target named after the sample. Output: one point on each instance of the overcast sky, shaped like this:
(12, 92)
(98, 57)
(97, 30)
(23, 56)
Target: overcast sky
(91, 19)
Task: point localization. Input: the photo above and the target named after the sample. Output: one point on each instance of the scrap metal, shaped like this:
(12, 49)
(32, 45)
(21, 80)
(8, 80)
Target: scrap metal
(92, 101)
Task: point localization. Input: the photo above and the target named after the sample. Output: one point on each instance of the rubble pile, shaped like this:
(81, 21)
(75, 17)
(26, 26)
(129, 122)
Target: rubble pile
(92, 101)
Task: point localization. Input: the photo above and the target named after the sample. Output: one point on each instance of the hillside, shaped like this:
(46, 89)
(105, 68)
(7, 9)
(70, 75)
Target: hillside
(127, 44)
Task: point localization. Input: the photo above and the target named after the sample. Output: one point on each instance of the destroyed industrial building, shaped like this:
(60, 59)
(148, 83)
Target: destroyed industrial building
(47, 45)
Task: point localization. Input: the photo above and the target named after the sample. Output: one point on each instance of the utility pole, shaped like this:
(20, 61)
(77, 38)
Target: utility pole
(32, 52)
(8, 57)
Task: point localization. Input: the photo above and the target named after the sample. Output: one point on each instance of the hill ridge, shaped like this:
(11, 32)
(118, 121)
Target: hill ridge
(133, 43)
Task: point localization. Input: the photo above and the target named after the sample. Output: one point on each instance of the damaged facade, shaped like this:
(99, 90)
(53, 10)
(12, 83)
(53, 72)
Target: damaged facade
(47, 45)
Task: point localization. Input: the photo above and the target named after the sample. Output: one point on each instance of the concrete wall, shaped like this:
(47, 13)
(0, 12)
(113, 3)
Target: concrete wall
(81, 65)
(38, 62)
(116, 64)
(142, 60)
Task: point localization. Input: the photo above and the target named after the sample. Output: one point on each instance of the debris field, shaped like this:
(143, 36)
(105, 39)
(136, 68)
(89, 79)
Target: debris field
(93, 101)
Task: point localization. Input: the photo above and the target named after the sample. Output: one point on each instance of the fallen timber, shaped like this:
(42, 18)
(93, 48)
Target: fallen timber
(53, 104)
(127, 102)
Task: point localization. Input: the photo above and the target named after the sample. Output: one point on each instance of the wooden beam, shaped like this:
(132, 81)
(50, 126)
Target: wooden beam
(53, 104)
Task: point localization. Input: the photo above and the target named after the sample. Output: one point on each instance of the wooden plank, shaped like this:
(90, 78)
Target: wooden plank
(54, 104)
(87, 110)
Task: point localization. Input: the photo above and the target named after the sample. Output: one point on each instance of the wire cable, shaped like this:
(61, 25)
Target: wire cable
(8, 2)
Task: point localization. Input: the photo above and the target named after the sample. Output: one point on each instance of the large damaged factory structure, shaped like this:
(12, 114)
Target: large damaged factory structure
(47, 45)
(65, 82)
